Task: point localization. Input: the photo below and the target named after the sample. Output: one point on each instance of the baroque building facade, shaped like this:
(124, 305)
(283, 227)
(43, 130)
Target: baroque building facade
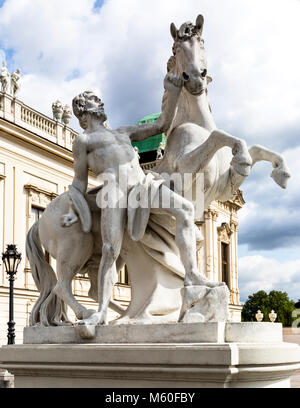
(36, 165)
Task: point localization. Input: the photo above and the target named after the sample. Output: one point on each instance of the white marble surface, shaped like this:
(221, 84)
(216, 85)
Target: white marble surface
(229, 365)
(195, 147)
(209, 332)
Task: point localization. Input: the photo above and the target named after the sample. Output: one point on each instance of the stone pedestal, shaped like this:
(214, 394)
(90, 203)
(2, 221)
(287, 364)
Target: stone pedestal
(183, 359)
(6, 379)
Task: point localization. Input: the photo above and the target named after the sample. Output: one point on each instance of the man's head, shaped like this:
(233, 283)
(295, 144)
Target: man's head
(88, 103)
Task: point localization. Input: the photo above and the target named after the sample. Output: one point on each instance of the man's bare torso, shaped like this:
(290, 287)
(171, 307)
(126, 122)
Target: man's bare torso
(111, 152)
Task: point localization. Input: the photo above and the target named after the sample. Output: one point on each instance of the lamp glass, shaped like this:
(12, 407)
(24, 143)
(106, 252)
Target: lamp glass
(11, 259)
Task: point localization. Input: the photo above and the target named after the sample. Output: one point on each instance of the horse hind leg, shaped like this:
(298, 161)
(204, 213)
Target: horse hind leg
(66, 269)
(63, 289)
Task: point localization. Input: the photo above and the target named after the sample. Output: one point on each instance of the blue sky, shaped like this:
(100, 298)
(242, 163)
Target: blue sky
(98, 4)
(120, 49)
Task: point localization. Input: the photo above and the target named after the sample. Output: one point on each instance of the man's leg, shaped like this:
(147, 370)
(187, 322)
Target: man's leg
(112, 230)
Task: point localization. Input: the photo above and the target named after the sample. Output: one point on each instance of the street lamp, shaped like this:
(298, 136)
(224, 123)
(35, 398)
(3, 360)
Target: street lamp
(11, 259)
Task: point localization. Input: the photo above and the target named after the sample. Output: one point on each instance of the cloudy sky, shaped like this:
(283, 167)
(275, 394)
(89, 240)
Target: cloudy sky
(120, 49)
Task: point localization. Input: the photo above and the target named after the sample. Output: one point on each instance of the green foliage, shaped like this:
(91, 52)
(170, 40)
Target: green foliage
(275, 300)
(255, 302)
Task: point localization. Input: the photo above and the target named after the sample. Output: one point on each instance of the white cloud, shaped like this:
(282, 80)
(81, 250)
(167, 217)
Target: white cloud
(123, 49)
(261, 273)
(271, 216)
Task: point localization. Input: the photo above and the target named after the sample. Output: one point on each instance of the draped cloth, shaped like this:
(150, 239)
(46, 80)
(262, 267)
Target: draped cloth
(155, 232)
(140, 201)
(159, 243)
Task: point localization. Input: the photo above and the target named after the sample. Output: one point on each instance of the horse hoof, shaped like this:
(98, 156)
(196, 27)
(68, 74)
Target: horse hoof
(281, 177)
(85, 331)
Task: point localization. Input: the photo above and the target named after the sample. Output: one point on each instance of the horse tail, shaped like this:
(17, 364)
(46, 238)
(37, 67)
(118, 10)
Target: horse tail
(49, 310)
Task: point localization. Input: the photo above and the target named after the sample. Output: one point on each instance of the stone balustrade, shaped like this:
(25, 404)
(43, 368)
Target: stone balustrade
(150, 165)
(15, 111)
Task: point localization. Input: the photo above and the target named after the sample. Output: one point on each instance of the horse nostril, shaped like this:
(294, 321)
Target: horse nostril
(204, 72)
(185, 76)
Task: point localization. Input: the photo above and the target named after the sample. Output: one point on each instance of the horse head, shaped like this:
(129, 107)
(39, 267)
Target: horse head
(189, 58)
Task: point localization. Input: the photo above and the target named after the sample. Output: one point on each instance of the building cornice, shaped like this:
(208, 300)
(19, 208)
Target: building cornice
(33, 139)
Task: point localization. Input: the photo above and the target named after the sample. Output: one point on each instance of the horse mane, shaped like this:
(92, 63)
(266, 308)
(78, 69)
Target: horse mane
(171, 68)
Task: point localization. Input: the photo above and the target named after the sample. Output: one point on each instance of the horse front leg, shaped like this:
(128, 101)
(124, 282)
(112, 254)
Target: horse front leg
(280, 173)
(198, 159)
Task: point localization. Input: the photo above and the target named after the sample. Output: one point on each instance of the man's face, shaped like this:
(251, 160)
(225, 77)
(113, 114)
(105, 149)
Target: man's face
(94, 104)
(93, 107)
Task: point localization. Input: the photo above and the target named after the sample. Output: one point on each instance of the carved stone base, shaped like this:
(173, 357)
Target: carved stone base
(6, 379)
(203, 304)
(179, 365)
(209, 332)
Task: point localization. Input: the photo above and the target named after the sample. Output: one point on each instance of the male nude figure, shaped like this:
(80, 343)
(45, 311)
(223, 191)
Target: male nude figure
(110, 153)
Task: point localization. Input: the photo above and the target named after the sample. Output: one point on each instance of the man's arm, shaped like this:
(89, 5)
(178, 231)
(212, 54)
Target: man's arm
(173, 85)
(77, 190)
(80, 180)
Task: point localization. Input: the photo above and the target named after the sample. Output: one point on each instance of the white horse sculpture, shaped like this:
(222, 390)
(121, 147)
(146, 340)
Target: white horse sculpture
(194, 145)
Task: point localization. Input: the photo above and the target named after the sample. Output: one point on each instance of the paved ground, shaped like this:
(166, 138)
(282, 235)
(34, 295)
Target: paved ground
(293, 336)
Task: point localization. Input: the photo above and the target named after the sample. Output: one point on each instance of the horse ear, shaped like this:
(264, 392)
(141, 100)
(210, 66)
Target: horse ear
(199, 24)
(174, 31)
(208, 79)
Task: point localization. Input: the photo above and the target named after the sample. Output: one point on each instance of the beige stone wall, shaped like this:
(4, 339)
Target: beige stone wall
(221, 226)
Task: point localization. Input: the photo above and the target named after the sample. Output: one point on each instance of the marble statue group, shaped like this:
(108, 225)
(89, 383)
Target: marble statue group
(136, 218)
(9, 83)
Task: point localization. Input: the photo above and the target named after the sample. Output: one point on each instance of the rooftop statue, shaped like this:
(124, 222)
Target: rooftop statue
(67, 114)
(158, 245)
(4, 78)
(57, 110)
(15, 85)
(159, 152)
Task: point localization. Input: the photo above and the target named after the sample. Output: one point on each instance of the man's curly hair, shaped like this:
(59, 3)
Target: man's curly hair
(79, 105)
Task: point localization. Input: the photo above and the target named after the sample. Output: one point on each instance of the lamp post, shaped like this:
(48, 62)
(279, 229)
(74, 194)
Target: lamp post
(11, 259)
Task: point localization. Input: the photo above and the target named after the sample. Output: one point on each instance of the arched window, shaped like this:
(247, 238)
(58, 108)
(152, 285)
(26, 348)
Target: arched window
(224, 240)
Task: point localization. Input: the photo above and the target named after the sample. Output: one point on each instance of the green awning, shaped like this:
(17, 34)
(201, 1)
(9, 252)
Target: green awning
(152, 142)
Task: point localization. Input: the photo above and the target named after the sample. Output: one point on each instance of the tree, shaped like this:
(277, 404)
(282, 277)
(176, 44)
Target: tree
(255, 302)
(275, 300)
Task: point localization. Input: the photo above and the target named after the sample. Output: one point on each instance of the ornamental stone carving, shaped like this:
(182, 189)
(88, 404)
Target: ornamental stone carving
(15, 85)
(57, 110)
(157, 243)
(4, 78)
(66, 115)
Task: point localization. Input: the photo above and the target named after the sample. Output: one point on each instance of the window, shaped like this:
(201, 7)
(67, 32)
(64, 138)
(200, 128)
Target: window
(36, 212)
(225, 262)
(123, 277)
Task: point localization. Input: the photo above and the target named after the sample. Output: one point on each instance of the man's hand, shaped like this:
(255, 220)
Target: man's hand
(69, 219)
(173, 83)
